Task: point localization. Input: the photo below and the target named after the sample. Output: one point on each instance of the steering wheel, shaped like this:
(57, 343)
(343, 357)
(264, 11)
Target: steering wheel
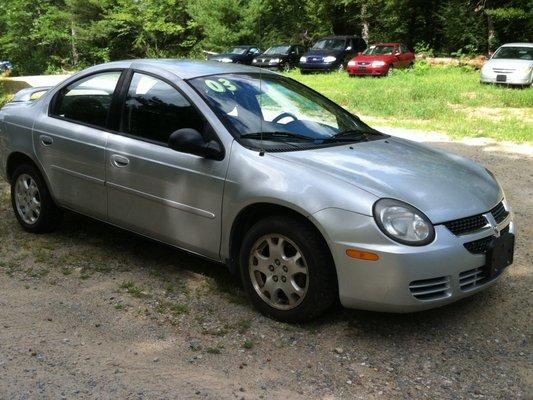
(284, 115)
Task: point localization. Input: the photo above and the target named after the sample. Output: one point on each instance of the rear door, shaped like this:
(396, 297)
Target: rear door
(154, 190)
(70, 140)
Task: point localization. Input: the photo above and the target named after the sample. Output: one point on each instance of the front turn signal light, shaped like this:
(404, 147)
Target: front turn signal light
(362, 255)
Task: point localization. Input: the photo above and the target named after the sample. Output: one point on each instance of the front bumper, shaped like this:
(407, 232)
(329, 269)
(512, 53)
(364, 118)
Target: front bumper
(513, 78)
(318, 67)
(367, 70)
(273, 67)
(395, 281)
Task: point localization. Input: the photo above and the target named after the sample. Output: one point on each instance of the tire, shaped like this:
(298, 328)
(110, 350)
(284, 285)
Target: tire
(321, 286)
(390, 71)
(285, 67)
(48, 216)
(303, 72)
(340, 68)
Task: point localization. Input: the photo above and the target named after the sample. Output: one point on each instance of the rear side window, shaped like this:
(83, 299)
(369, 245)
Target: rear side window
(88, 100)
(154, 110)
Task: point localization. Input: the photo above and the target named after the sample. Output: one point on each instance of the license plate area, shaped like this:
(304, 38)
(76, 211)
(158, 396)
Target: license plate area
(362, 69)
(500, 254)
(501, 78)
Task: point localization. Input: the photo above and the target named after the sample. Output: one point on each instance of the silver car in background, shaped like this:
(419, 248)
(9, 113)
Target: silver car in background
(511, 64)
(260, 173)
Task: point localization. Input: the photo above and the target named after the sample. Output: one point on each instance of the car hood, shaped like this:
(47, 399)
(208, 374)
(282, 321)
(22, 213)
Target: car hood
(444, 186)
(371, 58)
(323, 53)
(506, 63)
(270, 56)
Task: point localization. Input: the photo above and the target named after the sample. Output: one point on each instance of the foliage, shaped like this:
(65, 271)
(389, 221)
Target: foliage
(55, 35)
(446, 99)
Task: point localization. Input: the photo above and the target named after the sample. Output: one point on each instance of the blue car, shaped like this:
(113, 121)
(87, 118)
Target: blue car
(5, 66)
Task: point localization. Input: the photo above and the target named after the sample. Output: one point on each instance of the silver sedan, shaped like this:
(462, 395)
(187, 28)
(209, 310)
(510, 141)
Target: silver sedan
(511, 64)
(260, 173)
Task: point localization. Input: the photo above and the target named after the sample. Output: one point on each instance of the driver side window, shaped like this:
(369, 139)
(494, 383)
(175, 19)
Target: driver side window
(154, 109)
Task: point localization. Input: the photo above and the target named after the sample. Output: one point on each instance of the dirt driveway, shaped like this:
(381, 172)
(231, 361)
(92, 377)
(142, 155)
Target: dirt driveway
(91, 311)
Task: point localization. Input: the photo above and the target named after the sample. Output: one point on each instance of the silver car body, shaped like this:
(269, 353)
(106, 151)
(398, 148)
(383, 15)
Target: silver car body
(515, 71)
(195, 204)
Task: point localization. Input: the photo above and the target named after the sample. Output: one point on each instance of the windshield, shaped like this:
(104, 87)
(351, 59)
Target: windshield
(329, 44)
(514, 53)
(238, 50)
(278, 50)
(277, 109)
(379, 50)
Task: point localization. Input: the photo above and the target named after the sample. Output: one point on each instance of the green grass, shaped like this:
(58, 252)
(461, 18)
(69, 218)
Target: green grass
(445, 99)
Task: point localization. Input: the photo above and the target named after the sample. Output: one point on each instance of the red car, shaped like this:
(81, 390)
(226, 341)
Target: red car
(380, 59)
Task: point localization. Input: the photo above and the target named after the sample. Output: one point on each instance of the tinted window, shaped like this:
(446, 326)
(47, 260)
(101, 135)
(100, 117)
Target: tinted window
(154, 110)
(87, 100)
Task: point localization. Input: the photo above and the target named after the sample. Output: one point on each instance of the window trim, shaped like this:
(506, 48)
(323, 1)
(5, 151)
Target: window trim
(121, 105)
(110, 116)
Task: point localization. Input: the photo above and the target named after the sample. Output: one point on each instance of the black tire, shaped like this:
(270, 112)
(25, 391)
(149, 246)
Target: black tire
(303, 72)
(50, 215)
(322, 290)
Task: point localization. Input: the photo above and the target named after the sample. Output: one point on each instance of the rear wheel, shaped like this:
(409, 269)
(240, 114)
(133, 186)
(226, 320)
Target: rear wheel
(33, 205)
(287, 270)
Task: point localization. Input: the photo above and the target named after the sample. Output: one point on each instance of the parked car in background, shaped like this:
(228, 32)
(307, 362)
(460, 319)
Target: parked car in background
(280, 57)
(511, 64)
(259, 172)
(238, 55)
(5, 66)
(381, 59)
(331, 53)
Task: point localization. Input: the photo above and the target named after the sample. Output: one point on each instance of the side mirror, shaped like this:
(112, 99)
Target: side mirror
(359, 53)
(190, 141)
(348, 48)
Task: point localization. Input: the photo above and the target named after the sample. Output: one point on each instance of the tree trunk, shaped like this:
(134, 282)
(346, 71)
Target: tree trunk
(365, 30)
(491, 34)
(73, 49)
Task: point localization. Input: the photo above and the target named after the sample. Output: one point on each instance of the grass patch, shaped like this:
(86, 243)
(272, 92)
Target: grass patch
(248, 344)
(175, 309)
(132, 289)
(445, 99)
(213, 350)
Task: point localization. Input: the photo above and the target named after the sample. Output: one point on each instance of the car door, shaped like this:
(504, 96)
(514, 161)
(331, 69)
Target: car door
(154, 190)
(70, 138)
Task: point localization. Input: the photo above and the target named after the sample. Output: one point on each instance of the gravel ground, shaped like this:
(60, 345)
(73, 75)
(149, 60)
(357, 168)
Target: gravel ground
(91, 311)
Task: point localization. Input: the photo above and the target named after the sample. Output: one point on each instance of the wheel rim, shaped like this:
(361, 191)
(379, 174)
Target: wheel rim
(27, 199)
(286, 67)
(390, 71)
(278, 271)
(340, 68)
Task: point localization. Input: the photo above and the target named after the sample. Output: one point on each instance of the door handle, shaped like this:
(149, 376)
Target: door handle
(119, 161)
(46, 140)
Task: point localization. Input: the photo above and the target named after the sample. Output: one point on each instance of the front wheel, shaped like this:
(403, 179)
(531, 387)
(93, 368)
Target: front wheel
(33, 205)
(390, 71)
(287, 270)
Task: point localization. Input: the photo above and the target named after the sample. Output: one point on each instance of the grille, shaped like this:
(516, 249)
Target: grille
(314, 59)
(476, 222)
(480, 246)
(363, 63)
(430, 289)
(499, 213)
(503, 70)
(472, 278)
(468, 224)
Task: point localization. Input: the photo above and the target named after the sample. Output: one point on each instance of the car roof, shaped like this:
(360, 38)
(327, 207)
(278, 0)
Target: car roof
(517, 44)
(387, 44)
(182, 68)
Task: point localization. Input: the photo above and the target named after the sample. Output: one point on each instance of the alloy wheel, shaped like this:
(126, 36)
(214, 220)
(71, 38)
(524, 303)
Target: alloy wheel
(278, 271)
(27, 199)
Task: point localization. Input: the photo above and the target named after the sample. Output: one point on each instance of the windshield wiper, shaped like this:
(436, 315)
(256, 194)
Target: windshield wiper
(276, 135)
(349, 135)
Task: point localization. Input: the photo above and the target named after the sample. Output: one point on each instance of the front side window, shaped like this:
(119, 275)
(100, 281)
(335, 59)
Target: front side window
(238, 50)
(274, 109)
(87, 100)
(154, 110)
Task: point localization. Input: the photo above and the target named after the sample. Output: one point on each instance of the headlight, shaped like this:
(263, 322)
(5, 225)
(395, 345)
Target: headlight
(274, 61)
(403, 223)
(226, 60)
(329, 59)
(378, 63)
(303, 59)
(352, 63)
(254, 61)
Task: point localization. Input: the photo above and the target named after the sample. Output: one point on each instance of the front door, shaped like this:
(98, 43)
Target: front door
(171, 196)
(70, 141)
